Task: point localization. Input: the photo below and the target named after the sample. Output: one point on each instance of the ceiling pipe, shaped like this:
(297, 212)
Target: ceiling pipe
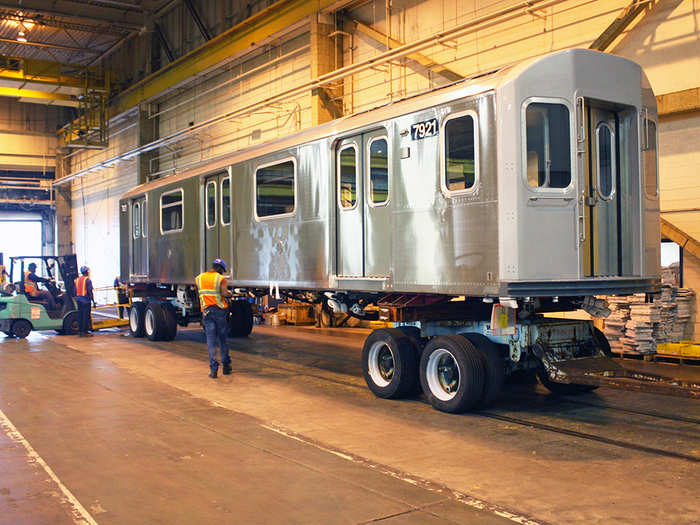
(392, 54)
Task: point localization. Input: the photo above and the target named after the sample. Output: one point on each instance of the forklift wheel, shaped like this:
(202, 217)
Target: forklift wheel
(21, 328)
(71, 323)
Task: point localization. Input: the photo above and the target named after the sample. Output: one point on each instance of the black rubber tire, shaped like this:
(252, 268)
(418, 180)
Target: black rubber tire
(403, 378)
(495, 368)
(562, 389)
(240, 319)
(8, 334)
(471, 366)
(71, 323)
(136, 319)
(170, 331)
(157, 314)
(602, 342)
(21, 328)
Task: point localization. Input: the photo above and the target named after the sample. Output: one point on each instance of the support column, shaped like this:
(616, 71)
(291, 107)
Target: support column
(148, 132)
(326, 56)
(64, 220)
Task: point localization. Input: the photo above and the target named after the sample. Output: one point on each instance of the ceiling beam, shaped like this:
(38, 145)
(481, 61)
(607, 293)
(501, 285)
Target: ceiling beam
(422, 60)
(51, 46)
(78, 11)
(206, 35)
(685, 101)
(242, 37)
(45, 97)
(54, 21)
(681, 238)
(623, 20)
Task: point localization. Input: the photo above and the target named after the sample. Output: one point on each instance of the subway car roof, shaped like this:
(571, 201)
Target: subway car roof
(468, 87)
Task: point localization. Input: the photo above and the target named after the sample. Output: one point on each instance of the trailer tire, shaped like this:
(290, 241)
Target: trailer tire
(240, 321)
(562, 389)
(389, 364)
(602, 342)
(170, 331)
(21, 328)
(452, 373)
(136, 319)
(495, 368)
(154, 322)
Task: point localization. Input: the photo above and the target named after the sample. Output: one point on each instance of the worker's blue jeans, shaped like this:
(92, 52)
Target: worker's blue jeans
(216, 330)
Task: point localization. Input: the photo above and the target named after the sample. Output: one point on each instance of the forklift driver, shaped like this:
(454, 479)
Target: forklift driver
(31, 288)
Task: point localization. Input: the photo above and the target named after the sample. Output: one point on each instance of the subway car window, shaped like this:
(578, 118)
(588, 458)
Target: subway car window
(606, 161)
(650, 159)
(460, 153)
(225, 201)
(137, 220)
(171, 210)
(347, 167)
(144, 219)
(274, 189)
(211, 204)
(548, 145)
(379, 171)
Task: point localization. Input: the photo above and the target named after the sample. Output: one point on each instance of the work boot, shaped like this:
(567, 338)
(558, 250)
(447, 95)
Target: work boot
(212, 374)
(227, 369)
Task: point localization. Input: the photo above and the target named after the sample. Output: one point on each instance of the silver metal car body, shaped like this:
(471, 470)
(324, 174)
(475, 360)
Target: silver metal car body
(521, 229)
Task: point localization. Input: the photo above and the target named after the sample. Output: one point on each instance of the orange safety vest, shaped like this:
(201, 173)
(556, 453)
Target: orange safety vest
(81, 286)
(3, 275)
(209, 288)
(29, 286)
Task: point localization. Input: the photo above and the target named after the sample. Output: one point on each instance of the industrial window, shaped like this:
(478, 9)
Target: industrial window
(211, 203)
(605, 138)
(144, 219)
(225, 201)
(378, 171)
(274, 189)
(651, 181)
(347, 177)
(548, 145)
(171, 211)
(460, 153)
(136, 221)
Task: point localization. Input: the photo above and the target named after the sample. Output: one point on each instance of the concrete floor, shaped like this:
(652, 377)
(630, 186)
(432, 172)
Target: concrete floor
(119, 430)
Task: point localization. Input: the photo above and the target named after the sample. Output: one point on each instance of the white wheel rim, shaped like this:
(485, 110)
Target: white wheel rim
(442, 374)
(381, 364)
(133, 319)
(149, 322)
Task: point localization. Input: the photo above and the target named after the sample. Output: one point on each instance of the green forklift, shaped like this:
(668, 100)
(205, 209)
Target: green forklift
(20, 313)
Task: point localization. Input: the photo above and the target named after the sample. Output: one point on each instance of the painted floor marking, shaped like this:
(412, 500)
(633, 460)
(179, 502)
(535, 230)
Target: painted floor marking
(79, 514)
(431, 486)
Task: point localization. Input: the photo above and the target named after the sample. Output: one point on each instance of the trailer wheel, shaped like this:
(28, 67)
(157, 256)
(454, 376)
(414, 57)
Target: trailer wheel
(602, 342)
(495, 368)
(452, 373)
(136, 319)
(562, 389)
(240, 320)
(389, 363)
(154, 322)
(21, 328)
(170, 322)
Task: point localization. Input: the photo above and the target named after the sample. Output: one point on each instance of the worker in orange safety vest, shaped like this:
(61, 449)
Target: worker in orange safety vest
(213, 292)
(84, 296)
(31, 281)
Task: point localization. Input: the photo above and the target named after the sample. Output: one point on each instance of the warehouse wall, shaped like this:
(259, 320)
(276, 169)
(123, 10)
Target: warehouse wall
(94, 203)
(27, 136)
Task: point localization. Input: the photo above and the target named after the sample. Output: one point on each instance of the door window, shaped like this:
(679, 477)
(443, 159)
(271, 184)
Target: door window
(211, 203)
(651, 182)
(144, 219)
(605, 138)
(137, 220)
(460, 154)
(379, 170)
(347, 177)
(547, 145)
(225, 202)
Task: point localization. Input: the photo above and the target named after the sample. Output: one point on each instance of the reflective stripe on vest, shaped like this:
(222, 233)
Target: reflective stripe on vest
(29, 286)
(209, 288)
(81, 286)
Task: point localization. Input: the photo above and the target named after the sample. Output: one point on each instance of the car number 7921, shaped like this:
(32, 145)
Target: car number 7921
(427, 128)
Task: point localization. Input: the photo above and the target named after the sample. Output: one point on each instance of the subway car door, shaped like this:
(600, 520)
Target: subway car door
(602, 253)
(377, 219)
(350, 205)
(139, 242)
(211, 223)
(225, 219)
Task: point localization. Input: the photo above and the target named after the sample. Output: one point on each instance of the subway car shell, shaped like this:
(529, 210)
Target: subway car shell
(554, 192)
